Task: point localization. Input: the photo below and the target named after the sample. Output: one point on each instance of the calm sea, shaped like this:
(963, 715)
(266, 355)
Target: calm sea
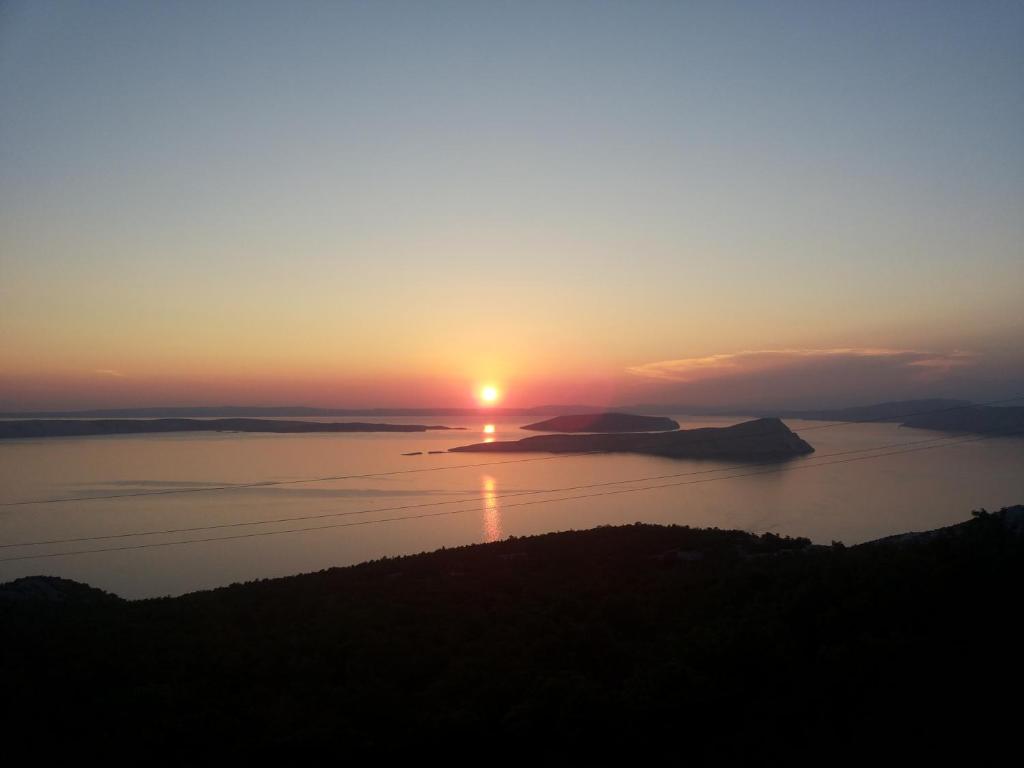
(851, 502)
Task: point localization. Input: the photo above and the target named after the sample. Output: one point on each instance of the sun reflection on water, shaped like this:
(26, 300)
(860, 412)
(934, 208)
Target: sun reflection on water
(492, 515)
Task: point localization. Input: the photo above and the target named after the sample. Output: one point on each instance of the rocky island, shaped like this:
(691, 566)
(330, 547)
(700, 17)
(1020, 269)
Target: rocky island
(604, 422)
(757, 440)
(30, 428)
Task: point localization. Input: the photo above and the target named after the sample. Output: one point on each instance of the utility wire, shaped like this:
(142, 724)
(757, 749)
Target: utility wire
(475, 500)
(300, 481)
(618, 491)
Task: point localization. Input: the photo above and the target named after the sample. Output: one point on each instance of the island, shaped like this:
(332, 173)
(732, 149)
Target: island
(976, 419)
(35, 428)
(897, 410)
(756, 440)
(935, 414)
(604, 422)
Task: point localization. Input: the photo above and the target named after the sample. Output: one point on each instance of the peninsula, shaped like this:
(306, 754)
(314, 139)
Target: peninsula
(757, 440)
(34, 428)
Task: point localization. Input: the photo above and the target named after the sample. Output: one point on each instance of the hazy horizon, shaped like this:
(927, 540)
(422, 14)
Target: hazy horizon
(484, 411)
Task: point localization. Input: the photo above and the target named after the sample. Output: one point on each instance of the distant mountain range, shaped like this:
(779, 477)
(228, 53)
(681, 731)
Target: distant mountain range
(979, 419)
(891, 411)
(941, 415)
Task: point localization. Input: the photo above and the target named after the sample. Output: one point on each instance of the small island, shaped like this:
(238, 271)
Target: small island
(35, 428)
(605, 422)
(757, 440)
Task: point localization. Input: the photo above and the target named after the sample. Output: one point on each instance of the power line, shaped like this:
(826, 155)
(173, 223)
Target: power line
(258, 534)
(475, 500)
(329, 478)
(271, 483)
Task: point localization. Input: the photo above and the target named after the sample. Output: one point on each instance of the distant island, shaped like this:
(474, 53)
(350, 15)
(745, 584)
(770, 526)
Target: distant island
(723, 646)
(896, 410)
(293, 411)
(757, 440)
(34, 428)
(941, 415)
(605, 422)
(978, 419)
(936, 413)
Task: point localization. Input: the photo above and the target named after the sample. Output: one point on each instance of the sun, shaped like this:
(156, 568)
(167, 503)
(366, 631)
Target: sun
(489, 395)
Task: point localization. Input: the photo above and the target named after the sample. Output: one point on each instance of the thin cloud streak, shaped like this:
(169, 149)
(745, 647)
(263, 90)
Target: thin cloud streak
(747, 362)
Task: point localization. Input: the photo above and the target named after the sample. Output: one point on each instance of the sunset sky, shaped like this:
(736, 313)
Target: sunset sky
(394, 204)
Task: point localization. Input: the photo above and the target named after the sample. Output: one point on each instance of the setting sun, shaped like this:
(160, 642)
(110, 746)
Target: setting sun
(489, 395)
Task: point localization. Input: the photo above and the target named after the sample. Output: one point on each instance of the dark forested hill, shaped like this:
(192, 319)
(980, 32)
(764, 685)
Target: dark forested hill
(707, 645)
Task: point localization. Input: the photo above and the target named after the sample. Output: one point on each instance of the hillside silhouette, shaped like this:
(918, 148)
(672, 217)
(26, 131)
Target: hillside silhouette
(720, 645)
